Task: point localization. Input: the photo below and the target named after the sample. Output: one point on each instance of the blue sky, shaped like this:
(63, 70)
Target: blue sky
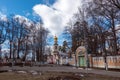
(21, 7)
(55, 14)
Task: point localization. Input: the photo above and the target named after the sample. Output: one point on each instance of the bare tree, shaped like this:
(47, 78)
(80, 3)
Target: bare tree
(116, 3)
(3, 33)
(109, 16)
(40, 39)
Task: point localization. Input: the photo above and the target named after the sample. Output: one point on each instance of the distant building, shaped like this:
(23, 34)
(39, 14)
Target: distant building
(55, 46)
(54, 56)
(55, 52)
(57, 56)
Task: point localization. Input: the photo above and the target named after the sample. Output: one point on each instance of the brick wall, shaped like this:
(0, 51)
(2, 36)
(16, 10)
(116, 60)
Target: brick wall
(112, 61)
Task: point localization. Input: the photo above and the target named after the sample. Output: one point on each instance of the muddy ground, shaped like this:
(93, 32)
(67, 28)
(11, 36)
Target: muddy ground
(33, 75)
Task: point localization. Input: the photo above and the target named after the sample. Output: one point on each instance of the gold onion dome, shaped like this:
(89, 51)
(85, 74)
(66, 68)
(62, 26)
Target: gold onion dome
(55, 38)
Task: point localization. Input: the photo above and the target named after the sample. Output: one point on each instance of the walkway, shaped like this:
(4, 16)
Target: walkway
(62, 69)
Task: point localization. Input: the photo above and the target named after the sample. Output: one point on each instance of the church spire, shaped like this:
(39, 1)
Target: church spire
(55, 39)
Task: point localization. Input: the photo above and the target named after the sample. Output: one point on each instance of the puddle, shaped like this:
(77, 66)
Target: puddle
(64, 78)
(3, 71)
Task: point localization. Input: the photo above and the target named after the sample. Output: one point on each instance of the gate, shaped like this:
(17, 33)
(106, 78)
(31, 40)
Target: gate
(81, 61)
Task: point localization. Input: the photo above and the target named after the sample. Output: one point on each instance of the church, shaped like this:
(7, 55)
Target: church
(55, 52)
(57, 56)
(53, 58)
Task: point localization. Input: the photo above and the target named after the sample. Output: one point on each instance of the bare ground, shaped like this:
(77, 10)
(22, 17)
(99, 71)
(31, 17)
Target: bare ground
(53, 75)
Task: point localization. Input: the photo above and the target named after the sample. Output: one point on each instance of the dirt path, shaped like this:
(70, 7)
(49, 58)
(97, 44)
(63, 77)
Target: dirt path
(63, 69)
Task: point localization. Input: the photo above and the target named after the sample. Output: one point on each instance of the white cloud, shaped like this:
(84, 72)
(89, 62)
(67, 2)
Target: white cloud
(3, 17)
(5, 45)
(22, 19)
(27, 14)
(56, 16)
(117, 28)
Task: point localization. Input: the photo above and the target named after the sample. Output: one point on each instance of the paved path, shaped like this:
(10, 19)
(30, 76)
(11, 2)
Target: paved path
(62, 69)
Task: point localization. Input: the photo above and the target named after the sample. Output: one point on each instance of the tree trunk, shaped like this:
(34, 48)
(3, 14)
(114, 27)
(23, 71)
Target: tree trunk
(10, 49)
(114, 34)
(18, 49)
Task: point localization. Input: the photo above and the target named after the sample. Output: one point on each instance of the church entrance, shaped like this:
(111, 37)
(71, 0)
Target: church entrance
(81, 61)
(81, 56)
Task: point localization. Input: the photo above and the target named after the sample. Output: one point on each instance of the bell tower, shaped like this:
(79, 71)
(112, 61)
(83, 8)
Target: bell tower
(55, 52)
(55, 45)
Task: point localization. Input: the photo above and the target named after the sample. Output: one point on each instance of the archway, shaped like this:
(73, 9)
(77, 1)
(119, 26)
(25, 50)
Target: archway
(81, 56)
